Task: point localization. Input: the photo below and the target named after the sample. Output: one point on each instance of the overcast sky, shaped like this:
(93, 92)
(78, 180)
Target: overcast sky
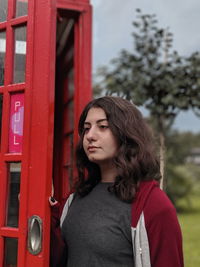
(112, 27)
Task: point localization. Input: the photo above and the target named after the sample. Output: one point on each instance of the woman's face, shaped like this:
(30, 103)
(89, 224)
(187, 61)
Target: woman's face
(99, 143)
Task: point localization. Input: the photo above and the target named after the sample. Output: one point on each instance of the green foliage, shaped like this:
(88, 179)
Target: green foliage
(153, 75)
(179, 145)
(183, 179)
(192, 87)
(180, 182)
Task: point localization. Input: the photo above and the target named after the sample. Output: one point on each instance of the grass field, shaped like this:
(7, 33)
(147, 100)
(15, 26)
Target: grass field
(189, 219)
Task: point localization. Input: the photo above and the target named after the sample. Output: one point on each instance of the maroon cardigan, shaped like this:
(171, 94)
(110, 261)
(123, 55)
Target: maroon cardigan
(160, 223)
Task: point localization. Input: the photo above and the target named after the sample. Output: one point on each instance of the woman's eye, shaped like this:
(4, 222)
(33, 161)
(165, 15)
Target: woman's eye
(86, 129)
(103, 126)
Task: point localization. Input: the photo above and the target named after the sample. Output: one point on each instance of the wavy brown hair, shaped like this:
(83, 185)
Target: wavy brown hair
(136, 159)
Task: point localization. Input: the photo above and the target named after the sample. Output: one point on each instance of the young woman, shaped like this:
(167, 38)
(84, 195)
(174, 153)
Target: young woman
(117, 215)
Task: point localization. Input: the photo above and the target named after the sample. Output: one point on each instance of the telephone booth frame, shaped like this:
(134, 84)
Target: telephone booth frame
(39, 109)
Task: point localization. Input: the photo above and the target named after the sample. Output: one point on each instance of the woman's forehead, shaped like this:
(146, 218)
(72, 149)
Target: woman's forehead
(95, 113)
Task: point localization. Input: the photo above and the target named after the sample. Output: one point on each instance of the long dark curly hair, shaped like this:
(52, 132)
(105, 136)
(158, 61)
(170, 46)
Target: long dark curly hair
(136, 159)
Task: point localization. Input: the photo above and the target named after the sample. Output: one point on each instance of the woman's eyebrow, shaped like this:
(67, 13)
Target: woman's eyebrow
(98, 121)
(87, 123)
(102, 120)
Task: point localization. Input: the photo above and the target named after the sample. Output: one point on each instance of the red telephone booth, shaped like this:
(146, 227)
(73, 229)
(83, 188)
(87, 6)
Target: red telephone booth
(45, 80)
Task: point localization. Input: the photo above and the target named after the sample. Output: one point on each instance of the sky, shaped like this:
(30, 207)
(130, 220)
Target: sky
(112, 28)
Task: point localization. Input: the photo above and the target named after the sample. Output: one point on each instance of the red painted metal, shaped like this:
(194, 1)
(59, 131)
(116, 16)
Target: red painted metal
(24, 186)
(6, 157)
(83, 51)
(9, 232)
(36, 153)
(41, 135)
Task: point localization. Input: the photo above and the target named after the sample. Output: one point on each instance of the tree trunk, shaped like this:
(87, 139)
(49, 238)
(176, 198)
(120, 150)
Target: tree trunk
(161, 130)
(162, 160)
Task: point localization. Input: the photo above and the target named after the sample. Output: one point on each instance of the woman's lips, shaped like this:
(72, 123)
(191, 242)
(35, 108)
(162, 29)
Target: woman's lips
(92, 148)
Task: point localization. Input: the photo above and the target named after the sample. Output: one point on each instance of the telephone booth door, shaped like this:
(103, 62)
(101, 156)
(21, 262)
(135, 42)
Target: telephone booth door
(45, 81)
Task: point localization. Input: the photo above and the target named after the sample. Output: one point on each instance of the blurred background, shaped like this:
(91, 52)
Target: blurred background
(148, 52)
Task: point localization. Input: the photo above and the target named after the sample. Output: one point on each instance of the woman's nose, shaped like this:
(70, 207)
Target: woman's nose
(91, 134)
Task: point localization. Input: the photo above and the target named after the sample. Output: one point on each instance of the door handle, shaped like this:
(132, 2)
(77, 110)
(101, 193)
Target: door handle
(35, 234)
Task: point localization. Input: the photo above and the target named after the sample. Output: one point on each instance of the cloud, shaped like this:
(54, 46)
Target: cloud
(112, 29)
(113, 25)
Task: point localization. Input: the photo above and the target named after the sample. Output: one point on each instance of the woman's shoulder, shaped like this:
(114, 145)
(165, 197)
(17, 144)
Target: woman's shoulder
(152, 196)
(158, 206)
(158, 200)
(151, 201)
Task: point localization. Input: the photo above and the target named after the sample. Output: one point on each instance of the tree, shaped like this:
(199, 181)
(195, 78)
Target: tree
(153, 76)
(183, 177)
(192, 87)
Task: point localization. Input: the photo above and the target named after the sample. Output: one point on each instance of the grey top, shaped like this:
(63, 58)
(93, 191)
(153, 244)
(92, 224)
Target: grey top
(97, 230)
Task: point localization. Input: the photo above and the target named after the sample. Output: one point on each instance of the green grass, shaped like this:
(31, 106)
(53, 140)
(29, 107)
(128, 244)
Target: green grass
(189, 219)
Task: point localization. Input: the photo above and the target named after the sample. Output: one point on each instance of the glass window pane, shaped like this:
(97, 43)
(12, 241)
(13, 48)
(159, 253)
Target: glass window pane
(68, 150)
(68, 154)
(14, 172)
(10, 254)
(2, 56)
(20, 55)
(71, 114)
(21, 8)
(1, 108)
(3, 10)
(70, 168)
(71, 82)
(68, 117)
(16, 123)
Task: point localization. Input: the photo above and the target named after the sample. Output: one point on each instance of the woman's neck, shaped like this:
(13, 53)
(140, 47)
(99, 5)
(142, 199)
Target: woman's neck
(108, 173)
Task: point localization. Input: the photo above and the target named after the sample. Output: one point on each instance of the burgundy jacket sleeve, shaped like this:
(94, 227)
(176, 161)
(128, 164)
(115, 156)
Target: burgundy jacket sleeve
(163, 230)
(58, 249)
